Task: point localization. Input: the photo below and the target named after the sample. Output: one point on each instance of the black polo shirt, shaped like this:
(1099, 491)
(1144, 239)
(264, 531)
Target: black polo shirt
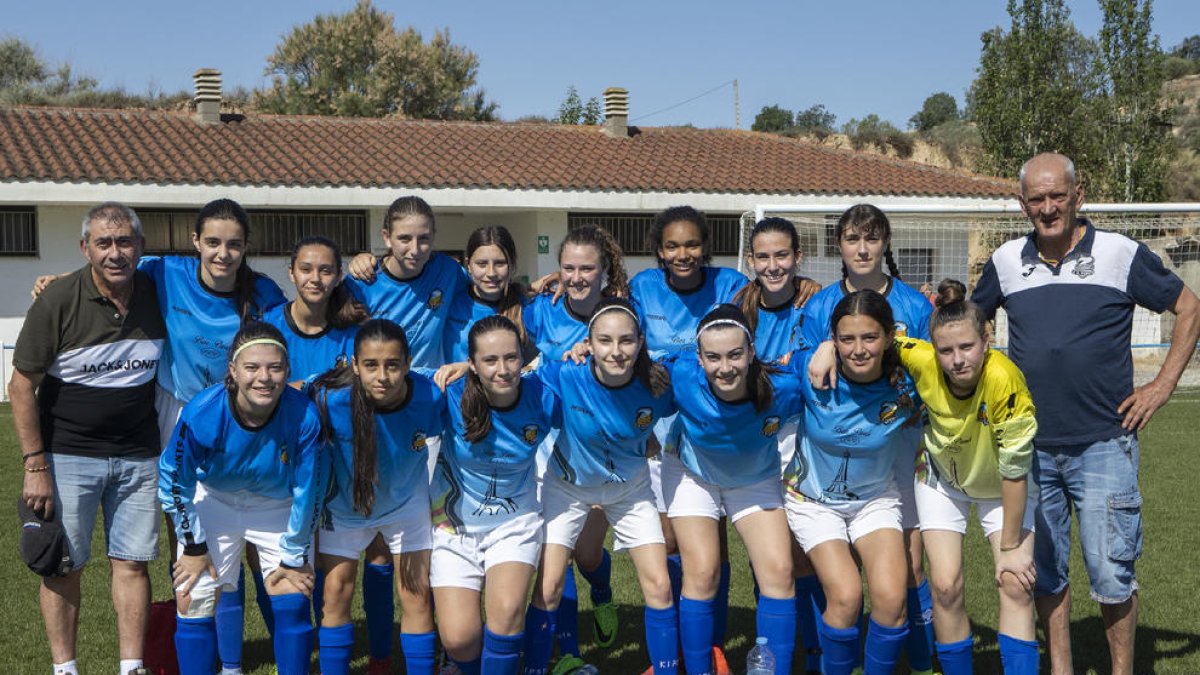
(97, 396)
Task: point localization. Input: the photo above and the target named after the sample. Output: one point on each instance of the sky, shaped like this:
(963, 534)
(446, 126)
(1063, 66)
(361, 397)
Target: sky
(856, 57)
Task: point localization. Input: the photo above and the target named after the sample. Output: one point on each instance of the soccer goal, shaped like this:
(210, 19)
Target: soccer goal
(935, 241)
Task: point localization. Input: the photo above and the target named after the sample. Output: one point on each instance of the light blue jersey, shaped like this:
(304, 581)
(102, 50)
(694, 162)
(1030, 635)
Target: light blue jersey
(669, 317)
(201, 322)
(604, 429)
(478, 486)
(465, 310)
(419, 305)
(279, 460)
(852, 437)
(779, 332)
(553, 327)
(401, 434)
(730, 444)
(311, 355)
(910, 309)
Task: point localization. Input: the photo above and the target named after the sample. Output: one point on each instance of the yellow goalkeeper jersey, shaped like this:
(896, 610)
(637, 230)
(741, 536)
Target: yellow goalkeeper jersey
(974, 442)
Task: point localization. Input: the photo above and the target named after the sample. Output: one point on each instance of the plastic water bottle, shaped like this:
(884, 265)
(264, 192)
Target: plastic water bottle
(760, 660)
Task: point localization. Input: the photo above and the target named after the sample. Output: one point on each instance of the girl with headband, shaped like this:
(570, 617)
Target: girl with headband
(243, 466)
(379, 419)
(609, 406)
(864, 237)
(731, 410)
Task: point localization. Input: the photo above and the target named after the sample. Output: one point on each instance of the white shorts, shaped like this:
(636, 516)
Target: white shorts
(168, 408)
(944, 508)
(628, 506)
(905, 480)
(654, 466)
(410, 530)
(814, 523)
(231, 519)
(688, 495)
(462, 560)
(789, 439)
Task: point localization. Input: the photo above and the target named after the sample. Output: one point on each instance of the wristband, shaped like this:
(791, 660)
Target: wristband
(196, 549)
(27, 456)
(38, 469)
(1006, 549)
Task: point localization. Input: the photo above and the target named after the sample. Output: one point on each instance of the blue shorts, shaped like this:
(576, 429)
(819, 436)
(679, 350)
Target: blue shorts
(1099, 482)
(126, 490)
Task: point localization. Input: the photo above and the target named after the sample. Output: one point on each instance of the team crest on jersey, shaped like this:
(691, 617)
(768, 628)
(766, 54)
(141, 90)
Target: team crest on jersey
(982, 415)
(643, 418)
(435, 299)
(770, 426)
(418, 441)
(888, 411)
(283, 454)
(1085, 267)
(530, 433)
(341, 361)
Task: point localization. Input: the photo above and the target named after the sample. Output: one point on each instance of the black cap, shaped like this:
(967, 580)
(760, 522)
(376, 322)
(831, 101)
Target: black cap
(43, 542)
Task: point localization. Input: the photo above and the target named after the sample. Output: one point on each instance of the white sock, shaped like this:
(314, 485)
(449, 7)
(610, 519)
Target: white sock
(231, 671)
(68, 668)
(128, 665)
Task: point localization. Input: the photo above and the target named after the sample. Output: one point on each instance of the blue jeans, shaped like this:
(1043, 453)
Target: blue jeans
(124, 488)
(1099, 482)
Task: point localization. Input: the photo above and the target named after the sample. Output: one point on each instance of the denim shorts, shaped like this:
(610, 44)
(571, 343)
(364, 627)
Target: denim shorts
(1099, 482)
(126, 490)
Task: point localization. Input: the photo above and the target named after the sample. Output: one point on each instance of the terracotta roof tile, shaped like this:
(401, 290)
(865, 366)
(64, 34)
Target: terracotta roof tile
(122, 146)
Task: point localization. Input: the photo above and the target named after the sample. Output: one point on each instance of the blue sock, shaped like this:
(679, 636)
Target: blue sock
(862, 634)
(721, 608)
(336, 644)
(379, 603)
(808, 617)
(675, 572)
(956, 657)
(418, 651)
(662, 639)
(263, 601)
(566, 617)
(695, 632)
(776, 619)
(920, 627)
(231, 617)
(196, 645)
(839, 649)
(501, 653)
(883, 648)
(600, 580)
(468, 667)
(293, 633)
(318, 597)
(1019, 657)
(539, 641)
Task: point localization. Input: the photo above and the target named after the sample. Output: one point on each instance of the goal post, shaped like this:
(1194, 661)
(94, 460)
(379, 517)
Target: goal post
(931, 242)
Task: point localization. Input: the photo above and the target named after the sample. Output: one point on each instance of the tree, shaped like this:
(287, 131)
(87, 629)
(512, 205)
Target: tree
(772, 119)
(1035, 89)
(815, 120)
(358, 63)
(20, 65)
(574, 111)
(871, 130)
(1135, 123)
(938, 108)
(1188, 49)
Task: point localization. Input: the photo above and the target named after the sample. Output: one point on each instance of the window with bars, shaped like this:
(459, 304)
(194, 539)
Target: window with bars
(630, 229)
(18, 231)
(271, 232)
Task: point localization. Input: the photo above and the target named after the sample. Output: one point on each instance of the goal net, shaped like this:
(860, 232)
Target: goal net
(935, 242)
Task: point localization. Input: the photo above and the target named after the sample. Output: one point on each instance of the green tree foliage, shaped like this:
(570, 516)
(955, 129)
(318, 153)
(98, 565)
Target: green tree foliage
(1184, 59)
(1188, 49)
(772, 119)
(574, 110)
(358, 63)
(958, 140)
(816, 120)
(871, 130)
(938, 109)
(1036, 84)
(1135, 123)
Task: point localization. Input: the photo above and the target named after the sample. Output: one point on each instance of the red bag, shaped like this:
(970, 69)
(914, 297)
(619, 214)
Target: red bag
(160, 656)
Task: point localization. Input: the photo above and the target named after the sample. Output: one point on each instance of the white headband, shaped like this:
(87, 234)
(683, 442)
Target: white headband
(606, 308)
(257, 341)
(723, 322)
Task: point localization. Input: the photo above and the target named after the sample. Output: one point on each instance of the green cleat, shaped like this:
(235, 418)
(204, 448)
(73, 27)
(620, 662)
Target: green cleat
(568, 664)
(605, 624)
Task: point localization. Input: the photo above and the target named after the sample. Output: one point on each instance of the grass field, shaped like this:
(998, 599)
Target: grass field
(1168, 639)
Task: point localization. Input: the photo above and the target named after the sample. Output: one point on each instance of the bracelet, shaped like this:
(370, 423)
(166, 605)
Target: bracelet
(1009, 548)
(25, 457)
(39, 469)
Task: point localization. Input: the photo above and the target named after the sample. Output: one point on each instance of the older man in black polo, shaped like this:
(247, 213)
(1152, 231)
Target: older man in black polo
(82, 395)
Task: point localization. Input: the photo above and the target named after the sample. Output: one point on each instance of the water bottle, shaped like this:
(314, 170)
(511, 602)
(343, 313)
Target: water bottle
(760, 660)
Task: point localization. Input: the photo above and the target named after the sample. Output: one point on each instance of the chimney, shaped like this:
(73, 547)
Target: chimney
(208, 95)
(616, 112)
